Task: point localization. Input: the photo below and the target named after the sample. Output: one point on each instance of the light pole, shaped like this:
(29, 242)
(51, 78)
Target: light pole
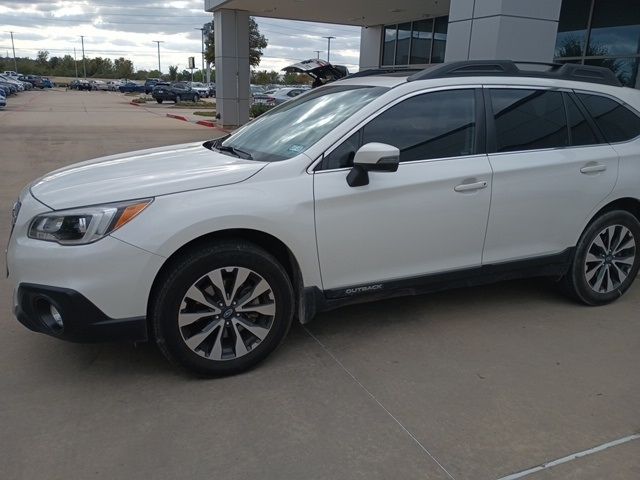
(317, 53)
(84, 63)
(75, 61)
(15, 63)
(329, 47)
(159, 42)
(202, 49)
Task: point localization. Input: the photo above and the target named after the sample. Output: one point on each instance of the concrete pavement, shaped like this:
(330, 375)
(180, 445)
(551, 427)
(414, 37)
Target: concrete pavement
(468, 384)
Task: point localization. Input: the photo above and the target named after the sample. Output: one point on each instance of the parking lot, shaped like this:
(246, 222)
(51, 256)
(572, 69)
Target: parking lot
(468, 384)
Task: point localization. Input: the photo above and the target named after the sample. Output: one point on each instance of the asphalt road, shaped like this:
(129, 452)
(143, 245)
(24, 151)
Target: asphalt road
(469, 384)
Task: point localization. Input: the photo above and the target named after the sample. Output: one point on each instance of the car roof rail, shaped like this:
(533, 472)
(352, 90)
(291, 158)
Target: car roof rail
(384, 71)
(510, 68)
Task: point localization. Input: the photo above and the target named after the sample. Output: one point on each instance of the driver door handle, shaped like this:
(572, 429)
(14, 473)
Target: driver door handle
(469, 187)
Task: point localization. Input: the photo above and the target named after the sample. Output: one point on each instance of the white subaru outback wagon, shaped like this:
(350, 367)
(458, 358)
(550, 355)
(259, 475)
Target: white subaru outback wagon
(373, 186)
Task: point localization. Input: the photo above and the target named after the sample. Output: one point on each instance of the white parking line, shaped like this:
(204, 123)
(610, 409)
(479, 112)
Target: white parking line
(411, 435)
(571, 457)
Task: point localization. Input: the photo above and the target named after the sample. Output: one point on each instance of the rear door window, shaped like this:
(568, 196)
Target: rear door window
(529, 119)
(617, 122)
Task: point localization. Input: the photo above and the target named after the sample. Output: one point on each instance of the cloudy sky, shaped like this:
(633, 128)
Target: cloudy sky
(115, 28)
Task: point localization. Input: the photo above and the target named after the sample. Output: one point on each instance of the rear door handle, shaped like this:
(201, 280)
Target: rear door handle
(593, 168)
(469, 187)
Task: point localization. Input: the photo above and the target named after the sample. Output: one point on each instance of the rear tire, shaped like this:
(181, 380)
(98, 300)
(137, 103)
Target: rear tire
(178, 99)
(606, 260)
(196, 98)
(159, 100)
(222, 309)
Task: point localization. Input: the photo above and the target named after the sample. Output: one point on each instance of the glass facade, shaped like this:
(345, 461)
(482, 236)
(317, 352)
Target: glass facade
(601, 32)
(415, 43)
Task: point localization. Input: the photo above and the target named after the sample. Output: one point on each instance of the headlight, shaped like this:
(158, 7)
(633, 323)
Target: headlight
(85, 225)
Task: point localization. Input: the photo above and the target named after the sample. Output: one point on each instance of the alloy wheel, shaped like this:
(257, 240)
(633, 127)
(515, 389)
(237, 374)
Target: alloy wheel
(610, 258)
(227, 313)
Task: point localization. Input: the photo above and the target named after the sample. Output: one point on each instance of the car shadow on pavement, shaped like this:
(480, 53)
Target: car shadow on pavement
(353, 323)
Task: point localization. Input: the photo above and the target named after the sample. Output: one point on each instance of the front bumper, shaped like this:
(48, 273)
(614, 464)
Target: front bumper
(81, 320)
(103, 287)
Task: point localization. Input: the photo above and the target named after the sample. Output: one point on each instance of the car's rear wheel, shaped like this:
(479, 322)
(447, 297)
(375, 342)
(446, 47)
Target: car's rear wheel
(159, 100)
(222, 309)
(606, 260)
(196, 98)
(178, 99)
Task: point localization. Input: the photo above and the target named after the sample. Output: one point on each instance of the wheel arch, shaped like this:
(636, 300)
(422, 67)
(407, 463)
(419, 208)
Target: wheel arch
(268, 242)
(628, 204)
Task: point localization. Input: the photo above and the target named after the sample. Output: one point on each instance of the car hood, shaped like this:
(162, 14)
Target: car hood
(141, 174)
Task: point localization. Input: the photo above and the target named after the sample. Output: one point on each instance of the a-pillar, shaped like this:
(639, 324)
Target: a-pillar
(502, 30)
(231, 31)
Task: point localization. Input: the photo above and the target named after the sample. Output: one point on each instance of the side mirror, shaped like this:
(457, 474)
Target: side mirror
(372, 157)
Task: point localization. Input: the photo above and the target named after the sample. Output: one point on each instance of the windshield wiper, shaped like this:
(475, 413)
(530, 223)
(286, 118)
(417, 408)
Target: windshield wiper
(234, 151)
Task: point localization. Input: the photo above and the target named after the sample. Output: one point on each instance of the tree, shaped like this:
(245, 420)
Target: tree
(257, 43)
(262, 77)
(123, 67)
(42, 57)
(173, 72)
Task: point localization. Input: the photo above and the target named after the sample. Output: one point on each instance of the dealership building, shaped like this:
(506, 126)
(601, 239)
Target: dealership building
(416, 33)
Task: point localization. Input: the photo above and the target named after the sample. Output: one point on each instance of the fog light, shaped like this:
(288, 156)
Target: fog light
(55, 314)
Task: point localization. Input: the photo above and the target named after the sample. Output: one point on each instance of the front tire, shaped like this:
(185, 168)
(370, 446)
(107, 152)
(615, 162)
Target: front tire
(159, 100)
(196, 98)
(178, 99)
(222, 309)
(606, 260)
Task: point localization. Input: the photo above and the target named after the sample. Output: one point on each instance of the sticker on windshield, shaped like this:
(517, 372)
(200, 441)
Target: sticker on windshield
(296, 148)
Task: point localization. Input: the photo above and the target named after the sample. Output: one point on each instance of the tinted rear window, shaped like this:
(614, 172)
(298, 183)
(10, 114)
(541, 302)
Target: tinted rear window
(529, 119)
(617, 122)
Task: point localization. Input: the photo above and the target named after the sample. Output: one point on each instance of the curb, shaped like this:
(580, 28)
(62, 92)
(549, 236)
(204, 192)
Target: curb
(202, 123)
(177, 117)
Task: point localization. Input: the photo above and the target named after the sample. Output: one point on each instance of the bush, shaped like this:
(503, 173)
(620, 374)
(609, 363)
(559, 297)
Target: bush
(258, 109)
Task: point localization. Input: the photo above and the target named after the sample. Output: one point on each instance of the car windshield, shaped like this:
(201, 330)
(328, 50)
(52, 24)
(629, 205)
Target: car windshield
(294, 126)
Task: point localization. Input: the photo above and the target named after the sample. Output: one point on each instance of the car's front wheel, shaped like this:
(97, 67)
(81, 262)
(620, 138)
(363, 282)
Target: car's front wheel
(222, 309)
(606, 260)
(196, 98)
(159, 100)
(178, 98)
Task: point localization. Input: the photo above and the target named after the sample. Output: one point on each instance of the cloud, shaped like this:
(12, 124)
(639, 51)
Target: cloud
(114, 28)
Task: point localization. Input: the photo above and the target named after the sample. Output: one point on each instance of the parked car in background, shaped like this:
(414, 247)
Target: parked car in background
(212, 89)
(131, 87)
(281, 95)
(256, 89)
(46, 83)
(113, 85)
(98, 85)
(18, 84)
(80, 85)
(201, 88)
(149, 84)
(3, 99)
(9, 88)
(25, 83)
(175, 92)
